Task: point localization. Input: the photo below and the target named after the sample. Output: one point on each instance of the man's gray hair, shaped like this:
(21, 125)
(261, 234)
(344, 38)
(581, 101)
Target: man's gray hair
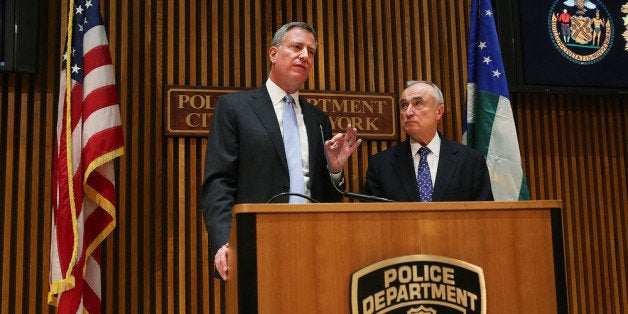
(281, 32)
(438, 94)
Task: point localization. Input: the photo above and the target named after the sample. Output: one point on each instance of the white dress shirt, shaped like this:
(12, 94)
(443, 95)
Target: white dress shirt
(432, 157)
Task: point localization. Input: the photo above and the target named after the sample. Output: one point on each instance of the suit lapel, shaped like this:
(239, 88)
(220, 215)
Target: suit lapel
(404, 168)
(262, 106)
(447, 164)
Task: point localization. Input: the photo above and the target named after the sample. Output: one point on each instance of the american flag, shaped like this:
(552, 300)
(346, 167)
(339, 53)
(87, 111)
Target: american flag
(89, 137)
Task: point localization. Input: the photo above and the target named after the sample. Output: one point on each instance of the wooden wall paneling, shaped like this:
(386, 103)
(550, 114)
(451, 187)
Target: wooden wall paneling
(236, 40)
(457, 85)
(247, 49)
(133, 157)
(9, 193)
(213, 31)
(370, 69)
(613, 225)
(537, 135)
(616, 268)
(169, 277)
(5, 186)
(621, 221)
(158, 224)
(379, 46)
(424, 42)
(206, 265)
(317, 78)
(17, 263)
(550, 130)
(558, 188)
(327, 32)
(577, 169)
(386, 49)
(589, 171)
(48, 68)
(568, 212)
(601, 197)
(620, 176)
(618, 170)
(146, 233)
(351, 48)
(174, 42)
(139, 158)
(192, 248)
(574, 202)
(607, 225)
(227, 50)
(204, 40)
(361, 44)
(193, 46)
(179, 216)
(33, 187)
(441, 67)
(527, 138)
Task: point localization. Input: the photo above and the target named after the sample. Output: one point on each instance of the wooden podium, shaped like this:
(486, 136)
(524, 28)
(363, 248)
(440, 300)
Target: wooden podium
(300, 258)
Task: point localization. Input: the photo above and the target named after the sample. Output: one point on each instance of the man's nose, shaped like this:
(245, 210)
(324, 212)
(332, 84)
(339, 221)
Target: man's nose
(409, 111)
(303, 54)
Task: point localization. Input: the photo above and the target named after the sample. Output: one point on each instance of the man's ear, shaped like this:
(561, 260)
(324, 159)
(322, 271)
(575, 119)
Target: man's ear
(272, 54)
(441, 110)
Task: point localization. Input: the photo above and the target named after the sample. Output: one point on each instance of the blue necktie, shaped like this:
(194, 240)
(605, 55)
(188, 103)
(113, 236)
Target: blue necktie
(292, 144)
(424, 178)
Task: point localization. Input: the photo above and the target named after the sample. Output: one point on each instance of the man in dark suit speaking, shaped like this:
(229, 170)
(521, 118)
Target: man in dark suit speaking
(427, 167)
(267, 141)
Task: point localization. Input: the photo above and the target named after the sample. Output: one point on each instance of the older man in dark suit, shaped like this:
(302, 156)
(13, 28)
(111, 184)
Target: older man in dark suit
(427, 167)
(267, 142)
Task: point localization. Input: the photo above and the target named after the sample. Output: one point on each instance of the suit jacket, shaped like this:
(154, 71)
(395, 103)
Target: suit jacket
(246, 161)
(462, 174)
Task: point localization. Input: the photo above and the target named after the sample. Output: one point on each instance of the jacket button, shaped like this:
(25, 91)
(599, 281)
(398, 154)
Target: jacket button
(286, 188)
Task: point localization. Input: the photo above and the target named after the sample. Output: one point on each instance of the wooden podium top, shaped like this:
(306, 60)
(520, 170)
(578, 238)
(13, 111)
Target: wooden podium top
(392, 207)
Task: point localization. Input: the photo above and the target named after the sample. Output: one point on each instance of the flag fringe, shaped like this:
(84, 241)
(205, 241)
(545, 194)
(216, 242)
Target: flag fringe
(68, 150)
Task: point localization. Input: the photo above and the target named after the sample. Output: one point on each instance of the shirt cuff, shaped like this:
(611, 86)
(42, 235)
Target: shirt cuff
(337, 178)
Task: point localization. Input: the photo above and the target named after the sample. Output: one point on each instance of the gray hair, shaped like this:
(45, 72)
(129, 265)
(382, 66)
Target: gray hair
(281, 32)
(438, 95)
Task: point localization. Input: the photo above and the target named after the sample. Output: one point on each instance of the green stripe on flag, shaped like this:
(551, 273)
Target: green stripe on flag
(479, 131)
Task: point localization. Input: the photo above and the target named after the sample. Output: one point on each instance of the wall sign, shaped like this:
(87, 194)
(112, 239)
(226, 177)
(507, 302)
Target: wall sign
(188, 111)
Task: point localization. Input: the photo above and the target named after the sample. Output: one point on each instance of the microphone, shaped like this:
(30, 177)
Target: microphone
(272, 199)
(351, 195)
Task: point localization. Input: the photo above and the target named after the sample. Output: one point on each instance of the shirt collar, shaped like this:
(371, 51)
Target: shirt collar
(433, 145)
(277, 94)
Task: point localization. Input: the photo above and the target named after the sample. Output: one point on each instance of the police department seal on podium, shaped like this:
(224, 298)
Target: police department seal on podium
(418, 284)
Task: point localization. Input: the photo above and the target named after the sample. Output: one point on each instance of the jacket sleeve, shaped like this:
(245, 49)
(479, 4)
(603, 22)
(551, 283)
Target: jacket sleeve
(218, 191)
